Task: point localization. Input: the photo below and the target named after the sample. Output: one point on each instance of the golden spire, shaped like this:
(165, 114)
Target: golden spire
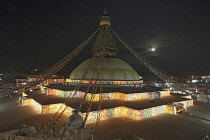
(104, 42)
(105, 12)
(105, 19)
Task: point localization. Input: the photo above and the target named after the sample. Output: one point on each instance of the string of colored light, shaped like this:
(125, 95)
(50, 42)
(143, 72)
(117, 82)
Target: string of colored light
(108, 96)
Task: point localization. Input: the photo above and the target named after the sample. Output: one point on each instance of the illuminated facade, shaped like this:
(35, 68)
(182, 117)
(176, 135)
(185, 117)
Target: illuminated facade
(69, 81)
(55, 79)
(121, 111)
(109, 96)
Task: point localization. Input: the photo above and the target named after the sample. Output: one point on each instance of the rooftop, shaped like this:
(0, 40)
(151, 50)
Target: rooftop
(108, 88)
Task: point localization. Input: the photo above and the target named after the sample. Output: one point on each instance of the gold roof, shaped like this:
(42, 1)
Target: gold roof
(104, 39)
(105, 42)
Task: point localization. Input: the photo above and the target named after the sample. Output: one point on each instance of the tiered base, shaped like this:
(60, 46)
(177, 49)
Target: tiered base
(136, 109)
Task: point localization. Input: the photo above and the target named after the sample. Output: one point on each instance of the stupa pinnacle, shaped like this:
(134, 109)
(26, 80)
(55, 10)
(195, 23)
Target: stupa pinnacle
(105, 43)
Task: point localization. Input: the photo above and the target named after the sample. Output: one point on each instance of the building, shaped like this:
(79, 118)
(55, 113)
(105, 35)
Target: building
(199, 79)
(116, 80)
(55, 79)
(198, 84)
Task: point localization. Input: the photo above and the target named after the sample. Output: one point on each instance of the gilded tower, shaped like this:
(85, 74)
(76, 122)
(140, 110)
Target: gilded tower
(105, 43)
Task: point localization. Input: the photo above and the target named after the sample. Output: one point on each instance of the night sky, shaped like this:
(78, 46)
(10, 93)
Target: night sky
(35, 34)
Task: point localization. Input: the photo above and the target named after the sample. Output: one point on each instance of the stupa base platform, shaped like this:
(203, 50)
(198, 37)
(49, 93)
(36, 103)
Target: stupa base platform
(161, 126)
(135, 109)
(110, 92)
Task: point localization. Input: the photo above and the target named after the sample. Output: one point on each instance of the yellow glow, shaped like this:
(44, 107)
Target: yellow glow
(105, 82)
(105, 23)
(27, 101)
(68, 80)
(170, 109)
(34, 103)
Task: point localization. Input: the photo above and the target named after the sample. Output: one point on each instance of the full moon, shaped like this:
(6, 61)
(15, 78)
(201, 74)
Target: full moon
(153, 49)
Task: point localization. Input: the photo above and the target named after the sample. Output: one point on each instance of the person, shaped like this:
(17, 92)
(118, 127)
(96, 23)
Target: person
(75, 121)
(21, 98)
(190, 114)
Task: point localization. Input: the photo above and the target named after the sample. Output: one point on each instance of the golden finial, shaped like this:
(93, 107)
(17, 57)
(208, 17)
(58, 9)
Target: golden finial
(105, 12)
